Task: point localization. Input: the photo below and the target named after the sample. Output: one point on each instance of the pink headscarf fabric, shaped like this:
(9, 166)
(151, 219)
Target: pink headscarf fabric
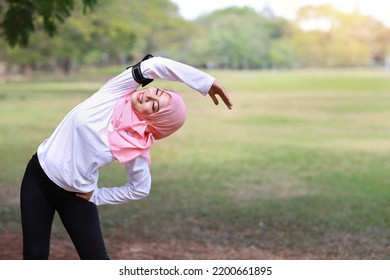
(134, 133)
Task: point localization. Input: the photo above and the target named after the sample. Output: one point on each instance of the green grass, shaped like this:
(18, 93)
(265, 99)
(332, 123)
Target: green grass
(300, 165)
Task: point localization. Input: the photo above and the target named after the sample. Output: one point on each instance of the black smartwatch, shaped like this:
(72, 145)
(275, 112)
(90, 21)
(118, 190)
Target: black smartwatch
(137, 74)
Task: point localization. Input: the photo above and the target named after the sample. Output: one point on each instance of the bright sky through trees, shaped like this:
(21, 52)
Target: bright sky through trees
(377, 8)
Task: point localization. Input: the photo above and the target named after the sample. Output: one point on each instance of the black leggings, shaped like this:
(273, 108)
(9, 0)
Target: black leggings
(39, 199)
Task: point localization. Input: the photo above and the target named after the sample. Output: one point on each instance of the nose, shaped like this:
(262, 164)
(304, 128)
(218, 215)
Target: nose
(151, 96)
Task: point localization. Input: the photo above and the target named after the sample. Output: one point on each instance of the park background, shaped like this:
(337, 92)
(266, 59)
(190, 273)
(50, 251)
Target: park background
(299, 169)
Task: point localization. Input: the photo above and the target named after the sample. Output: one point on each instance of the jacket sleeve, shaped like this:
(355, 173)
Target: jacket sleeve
(137, 187)
(120, 85)
(164, 68)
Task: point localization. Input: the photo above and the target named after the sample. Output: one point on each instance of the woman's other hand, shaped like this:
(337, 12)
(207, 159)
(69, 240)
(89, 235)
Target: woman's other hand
(85, 196)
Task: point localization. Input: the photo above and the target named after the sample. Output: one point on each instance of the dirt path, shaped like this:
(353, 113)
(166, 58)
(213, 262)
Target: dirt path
(62, 249)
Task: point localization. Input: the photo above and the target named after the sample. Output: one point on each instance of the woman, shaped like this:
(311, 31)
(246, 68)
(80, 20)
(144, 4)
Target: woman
(116, 123)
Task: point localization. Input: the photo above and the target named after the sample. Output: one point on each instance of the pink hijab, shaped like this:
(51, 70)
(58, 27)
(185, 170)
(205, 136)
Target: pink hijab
(134, 133)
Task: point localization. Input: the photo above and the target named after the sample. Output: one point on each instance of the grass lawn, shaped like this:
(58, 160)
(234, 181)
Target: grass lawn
(300, 165)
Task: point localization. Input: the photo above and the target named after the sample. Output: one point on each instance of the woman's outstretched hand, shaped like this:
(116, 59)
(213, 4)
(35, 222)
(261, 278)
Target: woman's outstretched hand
(217, 89)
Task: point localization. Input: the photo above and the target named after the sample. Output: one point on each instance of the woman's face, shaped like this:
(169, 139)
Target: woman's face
(149, 100)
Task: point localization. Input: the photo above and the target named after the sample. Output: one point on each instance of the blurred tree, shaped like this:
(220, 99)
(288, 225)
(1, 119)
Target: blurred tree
(20, 17)
(122, 31)
(240, 38)
(95, 40)
(102, 38)
(334, 38)
(160, 28)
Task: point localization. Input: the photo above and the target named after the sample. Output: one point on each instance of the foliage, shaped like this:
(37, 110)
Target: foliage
(240, 38)
(21, 17)
(100, 39)
(346, 40)
(123, 31)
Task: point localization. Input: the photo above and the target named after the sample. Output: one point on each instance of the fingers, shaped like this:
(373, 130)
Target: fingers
(227, 101)
(214, 98)
(85, 196)
(217, 88)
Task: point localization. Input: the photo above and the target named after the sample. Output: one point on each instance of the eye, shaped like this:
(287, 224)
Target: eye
(154, 107)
